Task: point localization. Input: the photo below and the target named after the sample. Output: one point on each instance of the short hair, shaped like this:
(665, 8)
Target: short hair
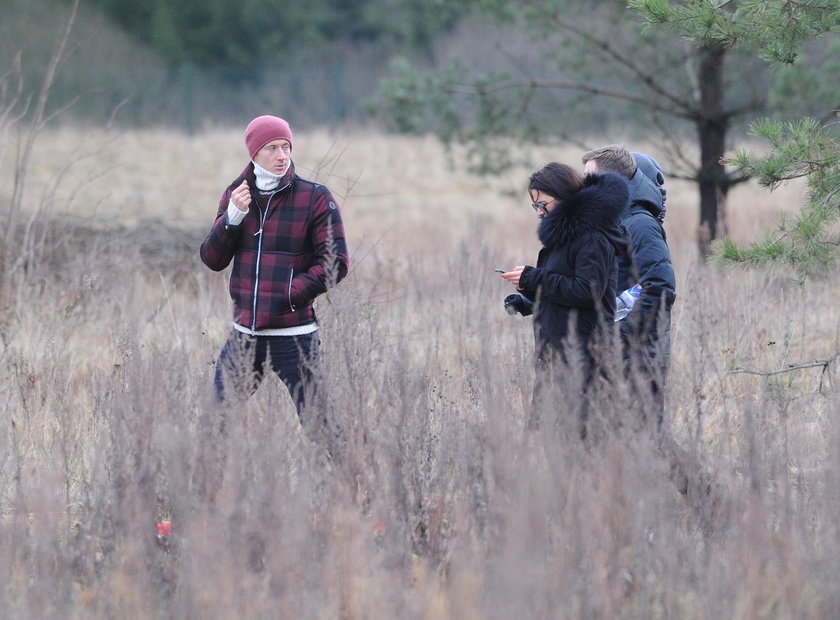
(612, 158)
(558, 180)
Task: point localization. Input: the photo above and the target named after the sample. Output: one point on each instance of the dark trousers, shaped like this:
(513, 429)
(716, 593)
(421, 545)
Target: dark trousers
(646, 370)
(242, 365)
(240, 369)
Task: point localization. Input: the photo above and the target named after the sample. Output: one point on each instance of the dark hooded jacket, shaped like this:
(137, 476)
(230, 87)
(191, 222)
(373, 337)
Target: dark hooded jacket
(574, 282)
(648, 263)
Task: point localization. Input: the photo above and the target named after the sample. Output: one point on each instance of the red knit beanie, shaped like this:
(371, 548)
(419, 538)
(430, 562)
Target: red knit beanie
(265, 129)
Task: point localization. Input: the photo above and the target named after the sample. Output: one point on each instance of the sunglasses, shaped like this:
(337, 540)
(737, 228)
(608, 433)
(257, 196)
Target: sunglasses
(541, 206)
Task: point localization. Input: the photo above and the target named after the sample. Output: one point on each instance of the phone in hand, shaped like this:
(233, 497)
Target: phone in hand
(497, 270)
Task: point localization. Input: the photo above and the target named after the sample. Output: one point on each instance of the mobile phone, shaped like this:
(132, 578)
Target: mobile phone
(497, 270)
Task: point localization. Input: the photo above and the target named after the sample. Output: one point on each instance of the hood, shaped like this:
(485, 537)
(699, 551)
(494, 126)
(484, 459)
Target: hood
(596, 207)
(651, 185)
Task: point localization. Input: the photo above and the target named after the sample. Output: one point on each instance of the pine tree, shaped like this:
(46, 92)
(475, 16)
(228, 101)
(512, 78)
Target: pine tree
(808, 148)
(585, 61)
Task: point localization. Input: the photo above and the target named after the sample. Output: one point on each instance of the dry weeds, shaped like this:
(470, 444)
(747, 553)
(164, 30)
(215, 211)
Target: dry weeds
(445, 506)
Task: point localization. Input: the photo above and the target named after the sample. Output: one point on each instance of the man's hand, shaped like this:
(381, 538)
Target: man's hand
(241, 197)
(513, 275)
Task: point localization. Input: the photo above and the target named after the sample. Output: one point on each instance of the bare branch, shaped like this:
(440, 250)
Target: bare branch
(54, 66)
(830, 196)
(56, 113)
(7, 108)
(824, 364)
(578, 86)
(681, 165)
(755, 105)
(623, 59)
(830, 116)
(37, 123)
(737, 179)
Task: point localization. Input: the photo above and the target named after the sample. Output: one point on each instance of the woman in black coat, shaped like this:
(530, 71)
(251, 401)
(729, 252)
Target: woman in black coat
(572, 289)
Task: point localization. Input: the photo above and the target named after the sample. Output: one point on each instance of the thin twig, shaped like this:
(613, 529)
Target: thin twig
(824, 364)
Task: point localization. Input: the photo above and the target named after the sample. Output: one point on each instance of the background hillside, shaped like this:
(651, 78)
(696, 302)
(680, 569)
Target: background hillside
(186, 64)
(191, 64)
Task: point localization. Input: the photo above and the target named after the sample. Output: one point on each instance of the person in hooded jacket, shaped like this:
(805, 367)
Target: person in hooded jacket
(645, 330)
(572, 289)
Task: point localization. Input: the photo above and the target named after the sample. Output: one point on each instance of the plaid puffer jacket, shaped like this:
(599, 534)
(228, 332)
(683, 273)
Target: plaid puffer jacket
(288, 250)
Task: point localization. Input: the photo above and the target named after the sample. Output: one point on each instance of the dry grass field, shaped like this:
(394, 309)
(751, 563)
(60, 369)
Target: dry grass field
(445, 505)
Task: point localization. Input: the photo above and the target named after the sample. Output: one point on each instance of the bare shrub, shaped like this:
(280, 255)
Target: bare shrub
(443, 502)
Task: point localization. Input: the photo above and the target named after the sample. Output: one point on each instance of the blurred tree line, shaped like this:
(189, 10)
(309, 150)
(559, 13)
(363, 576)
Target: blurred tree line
(190, 63)
(243, 37)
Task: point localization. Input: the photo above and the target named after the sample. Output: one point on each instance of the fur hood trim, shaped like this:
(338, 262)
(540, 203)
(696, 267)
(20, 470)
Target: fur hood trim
(596, 207)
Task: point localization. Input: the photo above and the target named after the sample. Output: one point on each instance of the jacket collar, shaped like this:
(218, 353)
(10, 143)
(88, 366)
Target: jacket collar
(598, 206)
(285, 181)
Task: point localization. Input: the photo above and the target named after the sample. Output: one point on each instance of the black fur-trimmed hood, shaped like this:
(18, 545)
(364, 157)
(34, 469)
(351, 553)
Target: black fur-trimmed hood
(596, 207)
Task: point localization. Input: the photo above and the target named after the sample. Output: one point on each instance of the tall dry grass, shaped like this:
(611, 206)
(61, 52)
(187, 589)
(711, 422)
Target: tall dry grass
(445, 505)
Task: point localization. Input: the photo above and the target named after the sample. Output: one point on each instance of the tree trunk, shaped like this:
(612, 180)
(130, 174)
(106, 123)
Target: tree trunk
(712, 126)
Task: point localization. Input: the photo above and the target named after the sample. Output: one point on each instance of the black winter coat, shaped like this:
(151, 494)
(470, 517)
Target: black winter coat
(576, 274)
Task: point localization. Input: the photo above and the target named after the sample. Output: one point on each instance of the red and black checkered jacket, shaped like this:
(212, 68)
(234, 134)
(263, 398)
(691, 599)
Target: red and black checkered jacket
(288, 250)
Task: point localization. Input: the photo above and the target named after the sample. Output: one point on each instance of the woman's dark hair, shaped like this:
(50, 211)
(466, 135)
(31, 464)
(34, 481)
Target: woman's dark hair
(558, 180)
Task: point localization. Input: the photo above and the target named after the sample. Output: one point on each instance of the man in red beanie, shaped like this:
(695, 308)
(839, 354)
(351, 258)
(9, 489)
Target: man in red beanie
(285, 237)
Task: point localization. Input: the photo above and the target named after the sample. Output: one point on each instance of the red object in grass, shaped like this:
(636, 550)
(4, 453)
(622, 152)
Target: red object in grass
(164, 528)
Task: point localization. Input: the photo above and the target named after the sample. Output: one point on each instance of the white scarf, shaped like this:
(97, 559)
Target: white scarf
(266, 181)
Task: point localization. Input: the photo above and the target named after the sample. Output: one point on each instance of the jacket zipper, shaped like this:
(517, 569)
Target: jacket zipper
(291, 277)
(257, 267)
(263, 216)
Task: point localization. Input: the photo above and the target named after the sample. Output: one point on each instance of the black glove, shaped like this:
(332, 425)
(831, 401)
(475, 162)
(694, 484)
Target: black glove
(517, 302)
